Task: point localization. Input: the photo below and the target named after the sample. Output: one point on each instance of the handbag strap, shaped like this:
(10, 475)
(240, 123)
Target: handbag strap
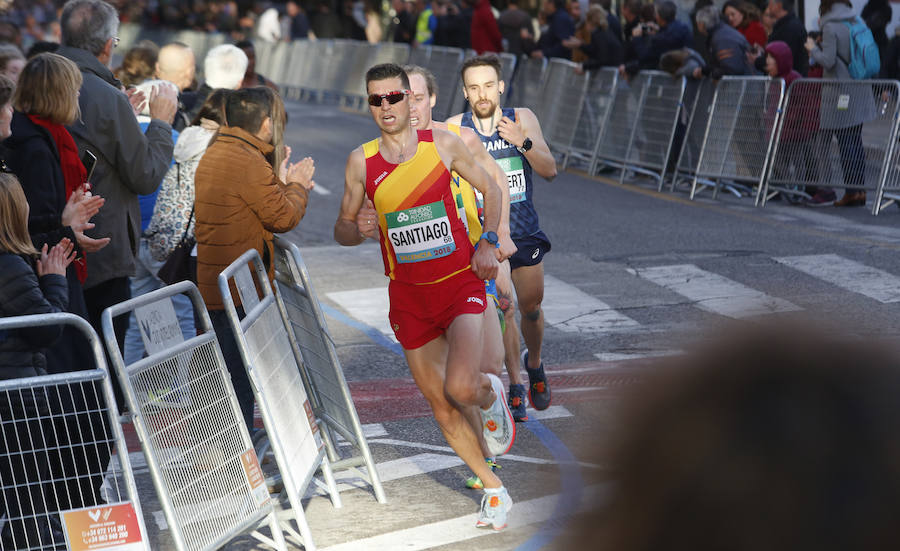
(191, 216)
(188, 226)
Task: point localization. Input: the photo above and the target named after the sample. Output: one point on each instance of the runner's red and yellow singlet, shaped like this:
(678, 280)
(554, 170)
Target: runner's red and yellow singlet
(422, 239)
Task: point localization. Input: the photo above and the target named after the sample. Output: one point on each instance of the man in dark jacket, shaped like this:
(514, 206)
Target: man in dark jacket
(670, 34)
(129, 162)
(559, 27)
(515, 26)
(728, 48)
(788, 29)
(403, 26)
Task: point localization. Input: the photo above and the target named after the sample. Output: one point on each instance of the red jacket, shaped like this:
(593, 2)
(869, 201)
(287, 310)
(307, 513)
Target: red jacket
(755, 33)
(485, 32)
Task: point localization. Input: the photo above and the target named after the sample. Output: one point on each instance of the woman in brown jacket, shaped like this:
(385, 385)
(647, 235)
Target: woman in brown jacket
(240, 201)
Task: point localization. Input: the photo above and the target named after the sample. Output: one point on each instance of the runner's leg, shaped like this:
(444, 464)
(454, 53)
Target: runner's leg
(511, 343)
(428, 365)
(529, 284)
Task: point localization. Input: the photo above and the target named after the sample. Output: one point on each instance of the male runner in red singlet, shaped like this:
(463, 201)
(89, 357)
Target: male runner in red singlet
(436, 290)
(423, 96)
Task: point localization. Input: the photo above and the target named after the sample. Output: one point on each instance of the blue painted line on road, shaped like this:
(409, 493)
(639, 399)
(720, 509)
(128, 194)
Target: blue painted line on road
(374, 334)
(572, 487)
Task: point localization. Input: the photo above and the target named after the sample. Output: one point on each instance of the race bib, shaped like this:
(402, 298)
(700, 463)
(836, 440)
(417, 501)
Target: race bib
(515, 177)
(420, 233)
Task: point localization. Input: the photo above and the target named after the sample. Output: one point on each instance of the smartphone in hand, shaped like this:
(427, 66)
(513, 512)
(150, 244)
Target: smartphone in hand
(89, 160)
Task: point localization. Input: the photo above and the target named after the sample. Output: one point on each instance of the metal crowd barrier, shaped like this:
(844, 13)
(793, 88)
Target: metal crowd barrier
(277, 63)
(58, 487)
(888, 192)
(640, 130)
(563, 92)
(835, 134)
(326, 386)
(611, 145)
(595, 109)
(356, 60)
(526, 84)
(739, 133)
(651, 138)
(272, 358)
(298, 74)
(445, 63)
(695, 130)
(199, 453)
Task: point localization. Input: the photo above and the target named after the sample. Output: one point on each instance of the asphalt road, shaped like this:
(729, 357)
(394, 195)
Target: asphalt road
(633, 274)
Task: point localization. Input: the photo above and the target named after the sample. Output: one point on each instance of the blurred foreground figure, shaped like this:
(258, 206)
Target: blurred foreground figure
(760, 442)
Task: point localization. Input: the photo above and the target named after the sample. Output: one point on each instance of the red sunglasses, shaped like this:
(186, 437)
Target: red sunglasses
(375, 100)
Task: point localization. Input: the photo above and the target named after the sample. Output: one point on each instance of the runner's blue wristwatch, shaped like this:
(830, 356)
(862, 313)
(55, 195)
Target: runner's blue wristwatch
(491, 237)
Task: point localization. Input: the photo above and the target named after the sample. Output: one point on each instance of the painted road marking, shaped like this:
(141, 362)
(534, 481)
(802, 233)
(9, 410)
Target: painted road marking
(713, 292)
(394, 469)
(370, 306)
(552, 412)
(370, 430)
(449, 450)
(567, 308)
(624, 357)
(570, 309)
(321, 190)
(847, 274)
(525, 516)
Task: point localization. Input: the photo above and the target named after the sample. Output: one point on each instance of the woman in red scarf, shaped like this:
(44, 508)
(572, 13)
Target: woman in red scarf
(43, 155)
(745, 17)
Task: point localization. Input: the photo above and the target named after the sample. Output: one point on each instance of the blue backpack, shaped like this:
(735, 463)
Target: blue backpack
(864, 59)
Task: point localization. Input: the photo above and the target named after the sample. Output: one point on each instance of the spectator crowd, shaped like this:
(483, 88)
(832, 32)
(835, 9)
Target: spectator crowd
(104, 176)
(106, 173)
(633, 35)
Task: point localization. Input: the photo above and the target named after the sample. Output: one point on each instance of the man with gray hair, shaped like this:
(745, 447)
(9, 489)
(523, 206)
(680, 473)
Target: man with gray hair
(177, 65)
(129, 162)
(224, 67)
(726, 45)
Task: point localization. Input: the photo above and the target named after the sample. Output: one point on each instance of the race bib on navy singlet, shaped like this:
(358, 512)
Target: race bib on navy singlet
(515, 178)
(420, 233)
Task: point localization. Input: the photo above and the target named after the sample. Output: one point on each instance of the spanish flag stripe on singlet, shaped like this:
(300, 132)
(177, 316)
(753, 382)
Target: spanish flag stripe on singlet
(422, 239)
(422, 188)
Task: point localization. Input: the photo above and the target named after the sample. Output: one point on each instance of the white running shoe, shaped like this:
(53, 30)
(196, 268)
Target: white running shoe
(499, 427)
(495, 504)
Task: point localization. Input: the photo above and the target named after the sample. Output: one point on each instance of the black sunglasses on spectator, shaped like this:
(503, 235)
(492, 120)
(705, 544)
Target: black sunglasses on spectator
(392, 97)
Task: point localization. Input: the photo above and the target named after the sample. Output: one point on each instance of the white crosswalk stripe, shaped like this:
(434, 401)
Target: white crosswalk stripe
(715, 293)
(370, 306)
(847, 274)
(570, 309)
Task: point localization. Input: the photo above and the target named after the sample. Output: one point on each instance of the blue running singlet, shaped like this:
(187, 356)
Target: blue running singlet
(523, 219)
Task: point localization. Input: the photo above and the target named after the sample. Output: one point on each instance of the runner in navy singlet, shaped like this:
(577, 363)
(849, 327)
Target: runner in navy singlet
(514, 138)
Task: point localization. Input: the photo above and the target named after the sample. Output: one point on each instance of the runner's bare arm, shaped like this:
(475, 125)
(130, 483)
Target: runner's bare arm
(484, 159)
(451, 148)
(345, 229)
(527, 126)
